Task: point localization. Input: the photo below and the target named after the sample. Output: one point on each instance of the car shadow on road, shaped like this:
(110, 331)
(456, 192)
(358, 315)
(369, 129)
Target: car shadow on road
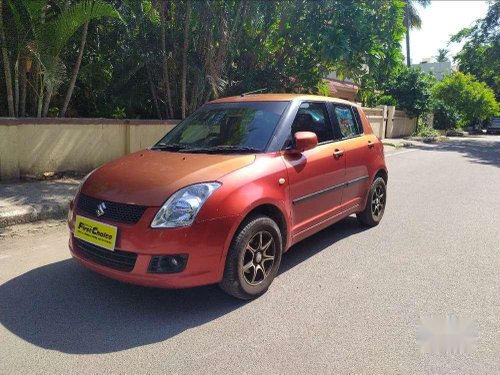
(486, 152)
(64, 307)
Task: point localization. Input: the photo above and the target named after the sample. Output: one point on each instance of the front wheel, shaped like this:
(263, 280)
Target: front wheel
(253, 259)
(375, 204)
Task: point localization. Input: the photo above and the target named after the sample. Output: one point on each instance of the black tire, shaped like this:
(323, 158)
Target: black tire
(250, 239)
(375, 204)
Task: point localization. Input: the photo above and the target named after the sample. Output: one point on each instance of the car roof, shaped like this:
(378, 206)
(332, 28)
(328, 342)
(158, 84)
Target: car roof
(279, 98)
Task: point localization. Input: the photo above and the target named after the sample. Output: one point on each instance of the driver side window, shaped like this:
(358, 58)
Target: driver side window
(313, 117)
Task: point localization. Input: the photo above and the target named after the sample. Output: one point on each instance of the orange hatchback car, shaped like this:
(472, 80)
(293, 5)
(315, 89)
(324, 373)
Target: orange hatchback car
(224, 194)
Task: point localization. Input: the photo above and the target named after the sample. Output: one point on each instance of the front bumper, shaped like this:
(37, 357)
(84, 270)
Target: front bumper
(205, 243)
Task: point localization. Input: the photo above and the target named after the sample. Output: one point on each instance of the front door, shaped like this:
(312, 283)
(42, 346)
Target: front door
(316, 177)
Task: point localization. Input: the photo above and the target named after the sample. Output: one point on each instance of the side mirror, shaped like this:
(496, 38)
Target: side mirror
(305, 141)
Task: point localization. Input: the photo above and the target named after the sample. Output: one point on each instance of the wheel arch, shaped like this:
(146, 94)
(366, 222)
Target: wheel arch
(381, 173)
(273, 212)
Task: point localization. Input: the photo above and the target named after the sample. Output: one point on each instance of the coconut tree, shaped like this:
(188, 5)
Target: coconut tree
(53, 37)
(412, 21)
(442, 55)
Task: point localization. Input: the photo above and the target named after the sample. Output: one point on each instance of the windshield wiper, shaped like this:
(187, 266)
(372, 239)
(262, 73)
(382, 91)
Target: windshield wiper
(169, 147)
(223, 148)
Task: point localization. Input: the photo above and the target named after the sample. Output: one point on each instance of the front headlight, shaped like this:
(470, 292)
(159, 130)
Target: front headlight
(181, 208)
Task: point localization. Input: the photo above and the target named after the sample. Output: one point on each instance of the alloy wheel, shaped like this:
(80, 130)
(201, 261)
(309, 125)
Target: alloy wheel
(378, 201)
(258, 258)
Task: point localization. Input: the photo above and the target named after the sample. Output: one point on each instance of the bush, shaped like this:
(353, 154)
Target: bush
(425, 131)
(472, 100)
(386, 100)
(445, 117)
(412, 90)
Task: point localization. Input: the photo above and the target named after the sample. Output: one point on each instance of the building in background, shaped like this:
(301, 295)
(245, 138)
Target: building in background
(342, 89)
(438, 69)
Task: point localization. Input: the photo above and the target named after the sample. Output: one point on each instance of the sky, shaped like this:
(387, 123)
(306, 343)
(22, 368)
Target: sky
(440, 20)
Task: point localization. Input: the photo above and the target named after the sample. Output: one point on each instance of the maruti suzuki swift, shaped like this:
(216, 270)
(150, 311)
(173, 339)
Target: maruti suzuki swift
(224, 194)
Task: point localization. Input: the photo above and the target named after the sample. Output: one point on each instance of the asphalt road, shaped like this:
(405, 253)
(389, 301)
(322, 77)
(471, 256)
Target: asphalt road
(348, 300)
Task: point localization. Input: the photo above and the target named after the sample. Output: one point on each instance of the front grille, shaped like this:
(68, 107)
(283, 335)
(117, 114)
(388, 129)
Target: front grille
(117, 259)
(119, 212)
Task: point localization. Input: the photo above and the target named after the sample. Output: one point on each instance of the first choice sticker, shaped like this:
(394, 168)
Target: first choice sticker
(96, 233)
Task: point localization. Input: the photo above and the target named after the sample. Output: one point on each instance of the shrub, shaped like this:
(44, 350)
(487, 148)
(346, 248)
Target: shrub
(386, 100)
(412, 90)
(426, 132)
(445, 117)
(472, 100)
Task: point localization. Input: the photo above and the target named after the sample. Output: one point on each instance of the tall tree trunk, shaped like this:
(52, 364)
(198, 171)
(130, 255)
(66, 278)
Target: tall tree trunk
(16, 87)
(184, 57)
(41, 79)
(76, 69)
(163, 45)
(6, 65)
(46, 104)
(153, 92)
(194, 92)
(407, 23)
(41, 93)
(23, 82)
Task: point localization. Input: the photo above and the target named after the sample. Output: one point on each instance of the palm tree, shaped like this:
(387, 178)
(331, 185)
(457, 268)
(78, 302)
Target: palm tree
(442, 55)
(45, 40)
(412, 21)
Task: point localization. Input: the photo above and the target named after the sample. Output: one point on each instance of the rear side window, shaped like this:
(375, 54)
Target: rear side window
(347, 124)
(313, 117)
(357, 117)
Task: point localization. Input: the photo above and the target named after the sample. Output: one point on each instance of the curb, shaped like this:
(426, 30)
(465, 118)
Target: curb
(28, 214)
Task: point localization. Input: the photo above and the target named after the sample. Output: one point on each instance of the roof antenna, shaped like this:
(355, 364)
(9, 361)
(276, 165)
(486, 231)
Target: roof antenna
(253, 92)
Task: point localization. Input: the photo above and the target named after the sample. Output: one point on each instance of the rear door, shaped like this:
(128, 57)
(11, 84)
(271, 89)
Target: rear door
(357, 149)
(316, 177)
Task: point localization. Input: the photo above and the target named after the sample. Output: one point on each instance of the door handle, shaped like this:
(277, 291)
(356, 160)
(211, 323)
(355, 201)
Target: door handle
(337, 153)
(371, 144)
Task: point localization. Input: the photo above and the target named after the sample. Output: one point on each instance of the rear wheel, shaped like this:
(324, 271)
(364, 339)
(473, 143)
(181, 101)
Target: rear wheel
(253, 259)
(375, 204)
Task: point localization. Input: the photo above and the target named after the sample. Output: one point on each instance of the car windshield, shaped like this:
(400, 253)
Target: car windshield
(225, 128)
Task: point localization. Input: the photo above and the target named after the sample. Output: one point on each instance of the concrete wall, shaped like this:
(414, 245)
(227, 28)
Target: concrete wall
(34, 146)
(387, 122)
(377, 118)
(399, 124)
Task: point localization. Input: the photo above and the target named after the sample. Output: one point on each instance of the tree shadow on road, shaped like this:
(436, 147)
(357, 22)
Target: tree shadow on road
(486, 152)
(64, 307)
(37, 192)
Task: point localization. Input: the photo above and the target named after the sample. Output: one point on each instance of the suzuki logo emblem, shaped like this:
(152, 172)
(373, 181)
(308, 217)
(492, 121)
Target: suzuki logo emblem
(100, 209)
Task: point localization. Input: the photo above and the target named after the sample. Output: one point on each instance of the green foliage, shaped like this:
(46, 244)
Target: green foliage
(229, 47)
(52, 36)
(442, 55)
(425, 131)
(411, 89)
(445, 117)
(415, 20)
(480, 54)
(119, 113)
(386, 100)
(472, 100)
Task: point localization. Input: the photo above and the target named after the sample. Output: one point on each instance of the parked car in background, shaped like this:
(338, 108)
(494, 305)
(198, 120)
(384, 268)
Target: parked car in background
(494, 126)
(223, 195)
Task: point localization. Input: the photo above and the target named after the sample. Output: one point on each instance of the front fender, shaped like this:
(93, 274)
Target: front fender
(246, 189)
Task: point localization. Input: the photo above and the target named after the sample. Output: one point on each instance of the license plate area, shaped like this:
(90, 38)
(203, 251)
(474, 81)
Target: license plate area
(96, 233)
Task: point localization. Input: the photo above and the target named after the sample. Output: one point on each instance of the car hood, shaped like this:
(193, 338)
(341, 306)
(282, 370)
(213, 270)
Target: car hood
(149, 177)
